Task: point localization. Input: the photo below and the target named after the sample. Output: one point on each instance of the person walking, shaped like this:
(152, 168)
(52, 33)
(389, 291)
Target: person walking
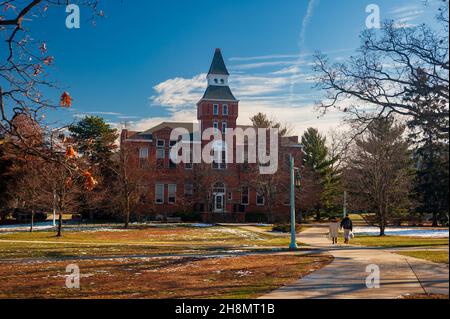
(334, 230)
(347, 225)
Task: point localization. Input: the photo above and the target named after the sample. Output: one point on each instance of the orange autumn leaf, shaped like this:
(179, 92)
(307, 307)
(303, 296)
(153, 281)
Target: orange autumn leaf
(66, 100)
(90, 181)
(48, 60)
(71, 153)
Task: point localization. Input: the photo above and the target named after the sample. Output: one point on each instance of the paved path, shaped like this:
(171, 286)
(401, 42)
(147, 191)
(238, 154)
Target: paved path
(345, 277)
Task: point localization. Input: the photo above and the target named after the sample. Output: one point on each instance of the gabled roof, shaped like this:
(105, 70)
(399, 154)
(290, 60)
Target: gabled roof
(215, 92)
(171, 125)
(218, 65)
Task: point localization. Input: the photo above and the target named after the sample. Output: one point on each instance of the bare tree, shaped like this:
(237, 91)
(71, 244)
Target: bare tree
(379, 175)
(24, 68)
(401, 71)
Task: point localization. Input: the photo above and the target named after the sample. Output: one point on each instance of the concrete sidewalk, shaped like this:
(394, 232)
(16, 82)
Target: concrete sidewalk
(345, 277)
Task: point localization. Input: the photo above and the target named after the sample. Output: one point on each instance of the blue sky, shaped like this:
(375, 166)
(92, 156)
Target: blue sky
(144, 62)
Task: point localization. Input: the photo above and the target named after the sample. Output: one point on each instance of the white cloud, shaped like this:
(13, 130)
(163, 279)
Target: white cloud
(267, 92)
(407, 16)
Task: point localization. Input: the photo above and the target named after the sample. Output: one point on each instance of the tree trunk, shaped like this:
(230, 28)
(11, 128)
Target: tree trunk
(127, 211)
(32, 221)
(318, 215)
(435, 219)
(59, 225)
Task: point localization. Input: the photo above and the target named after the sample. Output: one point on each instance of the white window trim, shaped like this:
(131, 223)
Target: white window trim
(215, 107)
(160, 140)
(216, 126)
(264, 200)
(168, 194)
(225, 107)
(164, 156)
(156, 194)
(141, 153)
(224, 127)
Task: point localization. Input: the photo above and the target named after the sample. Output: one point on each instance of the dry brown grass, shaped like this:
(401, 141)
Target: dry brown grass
(181, 277)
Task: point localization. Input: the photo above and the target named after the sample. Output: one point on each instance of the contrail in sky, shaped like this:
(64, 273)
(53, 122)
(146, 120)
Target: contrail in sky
(312, 4)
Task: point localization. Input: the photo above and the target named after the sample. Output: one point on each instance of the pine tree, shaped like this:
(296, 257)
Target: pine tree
(431, 185)
(318, 159)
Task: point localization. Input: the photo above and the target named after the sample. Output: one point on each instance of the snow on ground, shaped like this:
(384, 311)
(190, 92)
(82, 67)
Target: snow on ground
(238, 233)
(22, 227)
(201, 225)
(401, 231)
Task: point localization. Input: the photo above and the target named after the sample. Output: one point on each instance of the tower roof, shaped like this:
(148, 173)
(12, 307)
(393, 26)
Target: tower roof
(214, 92)
(218, 65)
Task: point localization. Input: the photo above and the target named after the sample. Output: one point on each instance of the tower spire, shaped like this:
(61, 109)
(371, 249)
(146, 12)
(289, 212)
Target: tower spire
(218, 66)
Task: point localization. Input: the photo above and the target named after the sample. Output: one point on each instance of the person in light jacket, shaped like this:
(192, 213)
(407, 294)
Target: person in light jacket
(347, 225)
(334, 230)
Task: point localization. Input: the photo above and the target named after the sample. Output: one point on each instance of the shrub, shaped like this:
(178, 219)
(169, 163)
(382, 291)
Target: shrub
(255, 217)
(284, 228)
(189, 216)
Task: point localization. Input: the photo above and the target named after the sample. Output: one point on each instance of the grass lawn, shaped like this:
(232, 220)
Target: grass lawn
(182, 277)
(398, 241)
(434, 256)
(138, 241)
(148, 262)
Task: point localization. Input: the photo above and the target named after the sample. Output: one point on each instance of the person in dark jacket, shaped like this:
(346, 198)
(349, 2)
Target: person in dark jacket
(347, 225)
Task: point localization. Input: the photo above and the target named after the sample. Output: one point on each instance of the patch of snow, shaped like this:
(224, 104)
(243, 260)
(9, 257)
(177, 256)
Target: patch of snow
(242, 273)
(22, 227)
(200, 225)
(402, 231)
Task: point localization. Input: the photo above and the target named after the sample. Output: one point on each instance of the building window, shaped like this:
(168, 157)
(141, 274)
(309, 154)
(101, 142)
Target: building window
(225, 109)
(143, 153)
(245, 196)
(160, 143)
(188, 190)
(230, 196)
(260, 200)
(216, 127)
(172, 193)
(172, 164)
(220, 160)
(216, 109)
(159, 193)
(188, 166)
(160, 153)
(224, 127)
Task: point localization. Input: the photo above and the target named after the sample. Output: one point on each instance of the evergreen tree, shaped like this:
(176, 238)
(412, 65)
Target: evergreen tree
(432, 179)
(318, 159)
(261, 120)
(96, 142)
(95, 139)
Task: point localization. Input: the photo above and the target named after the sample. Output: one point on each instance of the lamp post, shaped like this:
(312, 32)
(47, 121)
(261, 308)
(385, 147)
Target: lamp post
(293, 245)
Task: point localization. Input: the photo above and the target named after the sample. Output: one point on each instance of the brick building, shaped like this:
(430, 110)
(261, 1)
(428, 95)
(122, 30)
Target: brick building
(219, 191)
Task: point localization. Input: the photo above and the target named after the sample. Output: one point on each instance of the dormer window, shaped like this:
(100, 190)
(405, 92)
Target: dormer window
(216, 109)
(222, 81)
(216, 81)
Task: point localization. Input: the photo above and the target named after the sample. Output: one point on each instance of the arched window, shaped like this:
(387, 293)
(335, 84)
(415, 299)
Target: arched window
(219, 188)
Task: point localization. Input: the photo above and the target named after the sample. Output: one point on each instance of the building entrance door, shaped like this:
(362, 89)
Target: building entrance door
(219, 198)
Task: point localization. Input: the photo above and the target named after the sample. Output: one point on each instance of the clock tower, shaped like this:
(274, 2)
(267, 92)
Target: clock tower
(218, 108)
